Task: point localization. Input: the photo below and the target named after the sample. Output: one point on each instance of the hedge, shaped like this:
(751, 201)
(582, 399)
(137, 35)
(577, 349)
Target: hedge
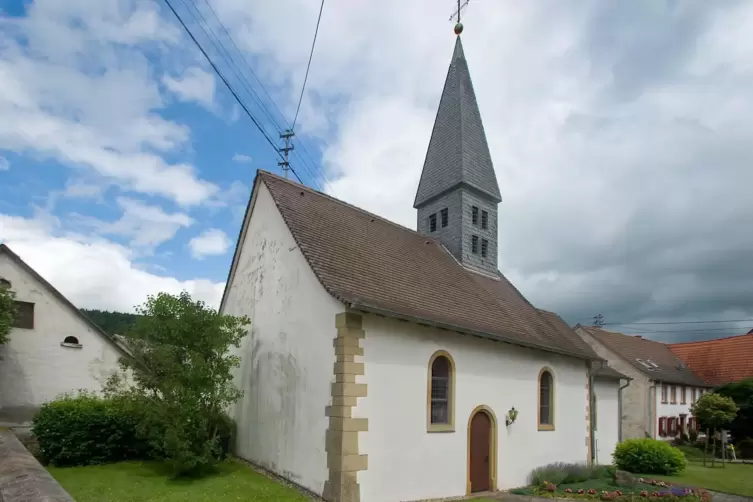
(649, 456)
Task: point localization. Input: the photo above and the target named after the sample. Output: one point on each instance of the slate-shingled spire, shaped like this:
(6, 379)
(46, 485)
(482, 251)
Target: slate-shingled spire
(458, 175)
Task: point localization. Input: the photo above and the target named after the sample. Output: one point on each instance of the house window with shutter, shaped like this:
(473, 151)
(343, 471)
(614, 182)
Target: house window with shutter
(671, 426)
(474, 244)
(441, 393)
(433, 222)
(24, 315)
(673, 395)
(546, 400)
(444, 215)
(664, 393)
(684, 395)
(484, 248)
(693, 395)
(662, 426)
(484, 220)
(474, 215)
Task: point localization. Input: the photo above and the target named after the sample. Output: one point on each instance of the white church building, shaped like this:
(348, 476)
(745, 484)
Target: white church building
(386, 364)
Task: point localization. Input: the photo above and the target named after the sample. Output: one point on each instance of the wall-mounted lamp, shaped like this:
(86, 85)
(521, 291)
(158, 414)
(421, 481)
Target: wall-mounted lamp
(511, 416)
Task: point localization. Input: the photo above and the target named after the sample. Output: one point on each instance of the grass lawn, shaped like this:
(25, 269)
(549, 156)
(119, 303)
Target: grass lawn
(148, 482)
(733, 478)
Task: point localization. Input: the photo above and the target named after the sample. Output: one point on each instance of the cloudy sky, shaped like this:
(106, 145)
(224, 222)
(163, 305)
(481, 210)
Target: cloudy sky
(620, 133)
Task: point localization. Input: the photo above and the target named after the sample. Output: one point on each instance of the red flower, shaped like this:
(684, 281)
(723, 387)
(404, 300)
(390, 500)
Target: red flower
(568, 490)
(581, 491)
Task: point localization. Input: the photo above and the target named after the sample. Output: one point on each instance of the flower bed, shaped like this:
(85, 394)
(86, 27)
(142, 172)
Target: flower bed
(653, 490)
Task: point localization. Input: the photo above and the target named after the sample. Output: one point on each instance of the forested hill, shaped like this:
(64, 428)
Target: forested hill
(112, 323)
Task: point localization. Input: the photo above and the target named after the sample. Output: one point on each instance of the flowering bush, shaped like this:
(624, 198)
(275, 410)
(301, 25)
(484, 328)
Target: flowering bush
(568, 490)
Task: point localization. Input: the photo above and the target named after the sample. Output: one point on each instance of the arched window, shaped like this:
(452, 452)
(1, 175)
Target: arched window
(441, 393)
(70, 341)
(4, 283)
(546, 400)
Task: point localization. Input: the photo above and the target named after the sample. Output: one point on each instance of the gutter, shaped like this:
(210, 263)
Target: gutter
(652, 409)
(619, 408)
(452, 327)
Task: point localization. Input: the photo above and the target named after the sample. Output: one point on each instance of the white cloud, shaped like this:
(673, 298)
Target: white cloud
(209, 243)
(76, 87)
(4, 164)
(92, 272)
(194, 85)
(603, 155)
(239, 157)
(146, 226)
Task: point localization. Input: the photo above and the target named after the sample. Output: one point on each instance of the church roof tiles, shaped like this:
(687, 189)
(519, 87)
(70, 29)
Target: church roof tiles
(374, 265)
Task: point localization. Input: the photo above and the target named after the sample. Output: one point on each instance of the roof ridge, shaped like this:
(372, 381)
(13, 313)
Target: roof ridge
(712, 340)
(4, 248)
(277, 177)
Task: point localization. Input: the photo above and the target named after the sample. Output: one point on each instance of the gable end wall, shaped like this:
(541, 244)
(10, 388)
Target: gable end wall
(287, 357)
(35, 368)
(636, 403)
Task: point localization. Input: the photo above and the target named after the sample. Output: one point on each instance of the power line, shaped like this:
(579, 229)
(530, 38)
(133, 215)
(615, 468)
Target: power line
(224, 80)
(737, 330)
(250, 69)
(308, 66)
(673, 322)
(306, 159)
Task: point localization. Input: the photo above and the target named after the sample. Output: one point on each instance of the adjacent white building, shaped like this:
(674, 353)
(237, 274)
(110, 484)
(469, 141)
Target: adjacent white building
(386, 364)
(662, 388)
(53, 347)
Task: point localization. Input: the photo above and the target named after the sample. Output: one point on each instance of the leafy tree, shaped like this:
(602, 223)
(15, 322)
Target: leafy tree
(181, 374)
(714, 411)
(742, 393)
(7, 312)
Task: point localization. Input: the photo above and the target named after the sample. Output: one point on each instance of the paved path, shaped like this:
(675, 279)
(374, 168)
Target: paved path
(723, 497)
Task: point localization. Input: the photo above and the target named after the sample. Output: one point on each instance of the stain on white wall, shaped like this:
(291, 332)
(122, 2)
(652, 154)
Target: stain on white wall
(35, 368)
(287, 356)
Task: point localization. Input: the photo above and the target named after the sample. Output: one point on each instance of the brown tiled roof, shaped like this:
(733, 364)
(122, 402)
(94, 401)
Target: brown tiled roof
(718, 361)
(609, 372)
(634, 348)
(374, 265)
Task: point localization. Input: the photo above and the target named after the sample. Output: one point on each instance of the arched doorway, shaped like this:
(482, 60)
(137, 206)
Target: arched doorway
(482, 451)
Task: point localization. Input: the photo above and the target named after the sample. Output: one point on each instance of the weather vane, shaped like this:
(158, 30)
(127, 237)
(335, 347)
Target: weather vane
(459, 26)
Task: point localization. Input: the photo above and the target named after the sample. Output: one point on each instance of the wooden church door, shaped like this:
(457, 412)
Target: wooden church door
(480, 472)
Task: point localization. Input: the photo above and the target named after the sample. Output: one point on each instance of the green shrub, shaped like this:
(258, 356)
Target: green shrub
(649, 456)
(85, 429)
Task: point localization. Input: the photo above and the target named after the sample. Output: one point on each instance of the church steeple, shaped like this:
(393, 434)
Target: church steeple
(457, 195)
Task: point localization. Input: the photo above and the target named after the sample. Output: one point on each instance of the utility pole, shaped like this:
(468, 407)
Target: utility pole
(598, 320)
(286, 136)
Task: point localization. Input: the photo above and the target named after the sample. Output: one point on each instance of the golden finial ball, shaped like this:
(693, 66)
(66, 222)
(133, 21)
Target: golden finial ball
(458, 28)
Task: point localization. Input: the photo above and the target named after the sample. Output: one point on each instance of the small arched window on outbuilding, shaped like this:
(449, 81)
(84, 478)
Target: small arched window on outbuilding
(4, 283)
(441, 393)
(71, 341)
(546, 400)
